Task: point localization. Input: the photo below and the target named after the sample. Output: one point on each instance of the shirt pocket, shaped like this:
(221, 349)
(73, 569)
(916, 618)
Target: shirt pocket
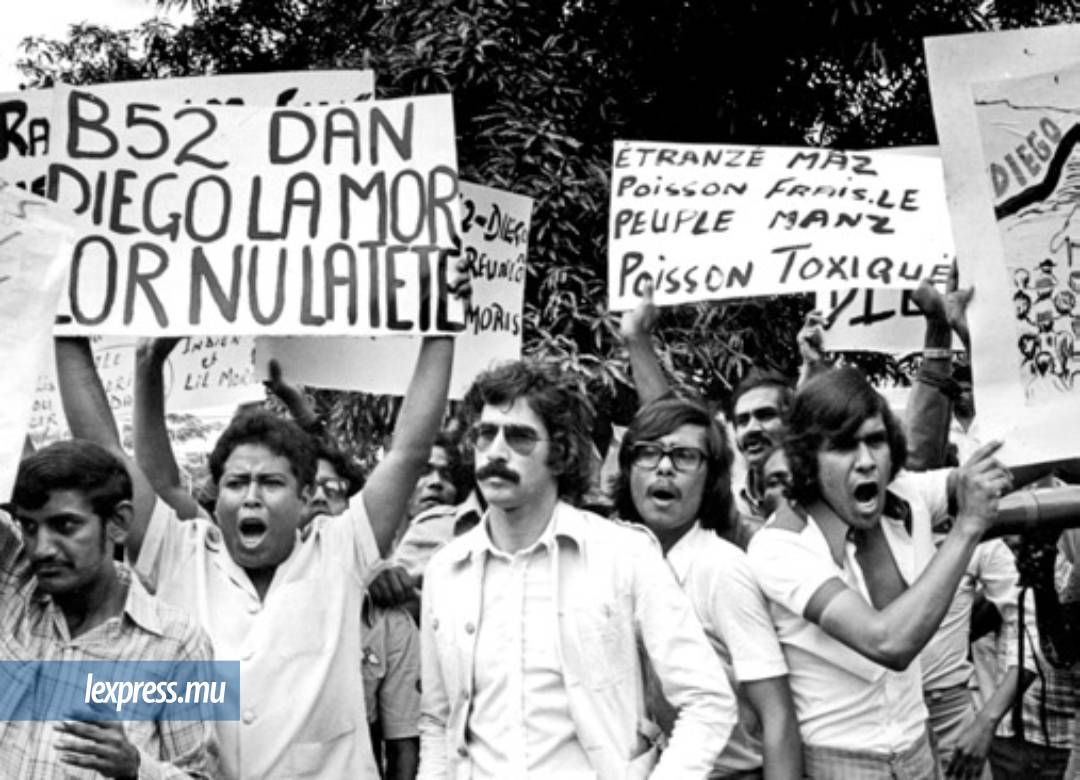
(604, 637)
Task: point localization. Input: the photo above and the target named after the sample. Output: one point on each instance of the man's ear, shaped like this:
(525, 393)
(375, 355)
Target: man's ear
(119, 522)
(306, 492)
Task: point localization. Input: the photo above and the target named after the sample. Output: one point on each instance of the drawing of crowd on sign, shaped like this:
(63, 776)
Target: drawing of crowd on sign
(1029, 133)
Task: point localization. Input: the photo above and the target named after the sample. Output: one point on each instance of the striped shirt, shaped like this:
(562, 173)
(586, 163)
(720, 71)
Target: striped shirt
(33, 627)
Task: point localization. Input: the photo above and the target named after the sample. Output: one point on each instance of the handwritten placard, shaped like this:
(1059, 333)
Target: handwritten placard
(202, 372)
(24, 138)
(712, 222)
(32, 268)
(871, 320)
(1004, 113)
(495, 242)
(243, 220)
(25, 116)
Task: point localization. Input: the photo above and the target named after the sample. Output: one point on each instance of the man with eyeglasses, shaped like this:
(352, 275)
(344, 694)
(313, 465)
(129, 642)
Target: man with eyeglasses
(759, 405)
(675, 479)
(533, 620)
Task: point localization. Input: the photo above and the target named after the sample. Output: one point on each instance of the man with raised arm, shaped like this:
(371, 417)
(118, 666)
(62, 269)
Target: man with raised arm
(532, 621)
(759, 404)
(286, 604)
(854, 586)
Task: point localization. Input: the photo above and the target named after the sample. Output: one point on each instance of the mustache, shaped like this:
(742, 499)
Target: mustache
(755, 437)
(45, 563)
(497, 470)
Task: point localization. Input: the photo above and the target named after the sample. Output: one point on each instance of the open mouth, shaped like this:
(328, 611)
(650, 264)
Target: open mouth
(866, 494)
(755, 444)
(251, 531)
(663, 494)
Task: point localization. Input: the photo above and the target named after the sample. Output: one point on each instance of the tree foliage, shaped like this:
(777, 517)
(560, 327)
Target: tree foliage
(541, 89)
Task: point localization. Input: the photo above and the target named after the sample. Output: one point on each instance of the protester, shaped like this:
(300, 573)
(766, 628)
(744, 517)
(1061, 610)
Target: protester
(533, 619)
(391, 670)
(759, 403)
(853, 597)
(66, 600)
(675, 479)
(287, 605)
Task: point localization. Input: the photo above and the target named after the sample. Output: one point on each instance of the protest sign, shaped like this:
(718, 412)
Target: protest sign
(32, 268)
(202, 372)
(712, 222)
(24, 138)
(495, 241)
(25, 115)
(1011, 213)
(243, 220)
(871, 320)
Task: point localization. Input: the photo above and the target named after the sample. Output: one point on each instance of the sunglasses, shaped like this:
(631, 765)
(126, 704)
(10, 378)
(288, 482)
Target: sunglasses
(520, 438)
(333, 487)
(648, 454)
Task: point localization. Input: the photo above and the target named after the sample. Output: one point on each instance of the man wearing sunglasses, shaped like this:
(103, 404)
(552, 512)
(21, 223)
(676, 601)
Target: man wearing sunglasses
(533, 620)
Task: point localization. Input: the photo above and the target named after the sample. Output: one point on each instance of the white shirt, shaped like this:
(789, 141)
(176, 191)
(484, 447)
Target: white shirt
(716, 575)
(301, 690)
(520, 721)
(843, 699)
(945, 658)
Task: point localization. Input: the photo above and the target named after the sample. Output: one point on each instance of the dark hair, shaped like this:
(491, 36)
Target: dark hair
(759, 377)
(75, 464)
(460, 471)
(282, 437)
(828, 411)
(558, 398)
(347, 468)
(659, 418)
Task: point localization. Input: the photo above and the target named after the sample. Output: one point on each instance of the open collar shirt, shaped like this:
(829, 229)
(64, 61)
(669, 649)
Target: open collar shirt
(146, 630)
(843, 699)
(610, 590)
(302, 708)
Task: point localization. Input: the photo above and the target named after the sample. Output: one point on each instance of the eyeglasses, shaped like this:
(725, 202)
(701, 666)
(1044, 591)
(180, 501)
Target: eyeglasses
(648, 454)
(520, 438)
(333, 487)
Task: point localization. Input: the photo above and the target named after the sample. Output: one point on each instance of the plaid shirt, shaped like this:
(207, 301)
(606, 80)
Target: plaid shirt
(33, 627)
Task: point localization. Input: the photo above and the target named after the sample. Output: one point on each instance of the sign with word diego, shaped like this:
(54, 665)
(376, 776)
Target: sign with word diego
(709, 222)
(243, 220)
(495, 242)
(1005, 107)
(32, 268)
(871, 320)
(25, 115)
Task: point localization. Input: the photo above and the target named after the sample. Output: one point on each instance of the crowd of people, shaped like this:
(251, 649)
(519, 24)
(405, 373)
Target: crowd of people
(805, 584)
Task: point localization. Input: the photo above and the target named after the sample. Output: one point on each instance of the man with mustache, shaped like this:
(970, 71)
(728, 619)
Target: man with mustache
(854, 586)
(64, 599)
(532, 621)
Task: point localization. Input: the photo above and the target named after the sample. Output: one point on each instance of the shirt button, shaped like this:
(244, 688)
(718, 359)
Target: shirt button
(464, 695)
(248, 716)
(254, 607)
(470, 628)
(463, 751)
(247, 655)
(435, 624)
